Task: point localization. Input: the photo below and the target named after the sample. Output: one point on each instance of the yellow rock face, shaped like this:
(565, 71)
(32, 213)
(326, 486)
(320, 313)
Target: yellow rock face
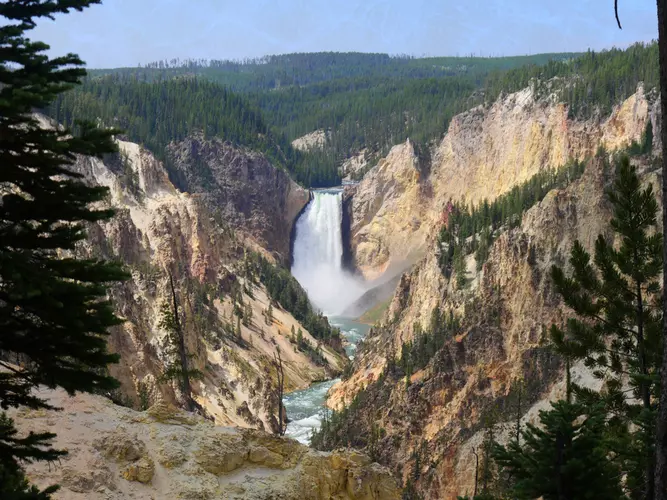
(221, 453)
(141, 471)
(485, 153)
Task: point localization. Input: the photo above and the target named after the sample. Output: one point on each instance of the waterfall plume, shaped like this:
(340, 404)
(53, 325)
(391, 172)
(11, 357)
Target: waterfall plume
(318, 255)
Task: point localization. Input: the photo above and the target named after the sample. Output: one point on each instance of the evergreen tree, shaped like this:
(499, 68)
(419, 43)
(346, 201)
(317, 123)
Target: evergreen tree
(661, 432)
(54, 310)
(563, 459)
(269, 315)
(34, 447)
(179, 365)
(618, 328)
(247, 314)
(460, 268)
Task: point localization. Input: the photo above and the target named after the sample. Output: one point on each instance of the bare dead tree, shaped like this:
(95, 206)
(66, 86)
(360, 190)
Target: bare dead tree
(173, 324)
(277, 359)
(474, 452)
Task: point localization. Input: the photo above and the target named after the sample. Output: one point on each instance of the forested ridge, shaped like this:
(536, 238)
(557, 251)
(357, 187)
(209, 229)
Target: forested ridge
(299, 69)
(157, 113)
(363, 101)
(595, 81)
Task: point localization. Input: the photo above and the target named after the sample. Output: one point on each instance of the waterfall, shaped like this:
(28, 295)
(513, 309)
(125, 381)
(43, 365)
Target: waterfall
(318, 265)
(318, 254)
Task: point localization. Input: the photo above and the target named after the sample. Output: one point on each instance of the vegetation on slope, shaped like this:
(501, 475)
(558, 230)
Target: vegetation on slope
(285, 290)
(157, 113)
(473, 228)
(589, 84)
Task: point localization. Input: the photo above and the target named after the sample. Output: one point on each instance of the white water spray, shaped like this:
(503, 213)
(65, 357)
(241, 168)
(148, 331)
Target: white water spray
(318, 255)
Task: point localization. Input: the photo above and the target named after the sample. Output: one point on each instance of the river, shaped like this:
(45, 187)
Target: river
(318, 266)
(305, 408)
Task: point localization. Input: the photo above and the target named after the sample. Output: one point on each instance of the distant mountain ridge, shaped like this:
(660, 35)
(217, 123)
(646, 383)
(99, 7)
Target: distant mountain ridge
(279, 71)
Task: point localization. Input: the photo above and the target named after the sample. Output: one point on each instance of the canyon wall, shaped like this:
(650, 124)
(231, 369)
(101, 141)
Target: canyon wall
(249, 193)
(202, 241)
(507, 305)
(400, 203)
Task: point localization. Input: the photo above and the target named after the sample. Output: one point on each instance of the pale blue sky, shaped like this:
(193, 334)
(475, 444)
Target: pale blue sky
(128, 32)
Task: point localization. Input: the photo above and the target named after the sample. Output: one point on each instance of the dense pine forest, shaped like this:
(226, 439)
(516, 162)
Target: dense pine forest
(591, 83)
(364, 101)
(301, 69)
(157, 113)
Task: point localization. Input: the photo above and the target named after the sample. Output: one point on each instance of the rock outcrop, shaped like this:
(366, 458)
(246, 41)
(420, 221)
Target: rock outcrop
(119, 453)
(250, 194)
(314, 140)
(160, 231)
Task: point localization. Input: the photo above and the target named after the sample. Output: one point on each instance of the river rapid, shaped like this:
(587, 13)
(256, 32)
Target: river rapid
(305, 408)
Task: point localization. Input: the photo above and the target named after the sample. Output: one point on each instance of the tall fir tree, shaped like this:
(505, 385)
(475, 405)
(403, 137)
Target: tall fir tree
(661, 431)
(618, 327)
(54, 310)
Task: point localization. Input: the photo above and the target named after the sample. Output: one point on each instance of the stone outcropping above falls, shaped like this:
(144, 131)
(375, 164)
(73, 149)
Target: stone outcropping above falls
(117, 453)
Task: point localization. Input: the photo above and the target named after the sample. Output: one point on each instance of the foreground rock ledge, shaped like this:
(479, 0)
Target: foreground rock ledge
(165, 453)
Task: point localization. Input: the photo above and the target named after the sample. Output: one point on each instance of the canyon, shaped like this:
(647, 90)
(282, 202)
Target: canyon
(201, 239)
(204, 215)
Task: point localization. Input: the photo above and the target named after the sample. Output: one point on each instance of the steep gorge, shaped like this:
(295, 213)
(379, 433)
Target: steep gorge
(203, 240)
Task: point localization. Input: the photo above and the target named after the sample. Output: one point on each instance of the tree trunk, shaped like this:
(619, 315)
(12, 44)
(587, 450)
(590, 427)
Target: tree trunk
(474, 451)
(281, 389)
(661, 440)
(185, 375)
(644, 386)
(518, 416)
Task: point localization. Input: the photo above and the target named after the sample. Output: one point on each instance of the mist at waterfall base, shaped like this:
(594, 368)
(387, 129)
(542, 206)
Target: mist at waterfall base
(318, 266)
(318, 255)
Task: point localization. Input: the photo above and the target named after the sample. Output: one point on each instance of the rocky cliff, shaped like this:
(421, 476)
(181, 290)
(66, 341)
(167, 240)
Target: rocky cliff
(486, 151)
(430, 427)
(119, 453)
(159, 230)
(251, 194)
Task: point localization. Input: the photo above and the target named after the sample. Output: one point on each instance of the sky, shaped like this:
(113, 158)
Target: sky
(131, 32)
